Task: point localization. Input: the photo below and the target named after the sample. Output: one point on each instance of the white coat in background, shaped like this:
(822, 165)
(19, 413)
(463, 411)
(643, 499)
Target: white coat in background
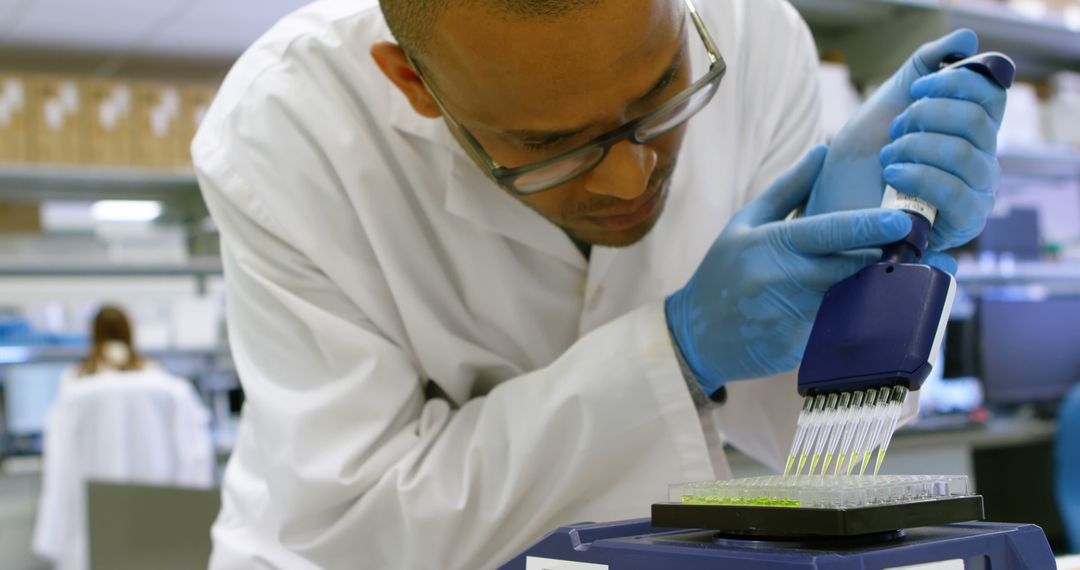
(135, 427)
(366, 256)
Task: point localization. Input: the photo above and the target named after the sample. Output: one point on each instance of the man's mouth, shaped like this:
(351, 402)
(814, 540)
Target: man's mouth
(626, 218)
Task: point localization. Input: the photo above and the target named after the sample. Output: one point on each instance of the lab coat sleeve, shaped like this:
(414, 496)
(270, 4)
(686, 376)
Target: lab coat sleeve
(364, 471)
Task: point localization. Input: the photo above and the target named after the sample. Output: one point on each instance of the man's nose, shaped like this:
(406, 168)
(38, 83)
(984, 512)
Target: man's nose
(624, 173)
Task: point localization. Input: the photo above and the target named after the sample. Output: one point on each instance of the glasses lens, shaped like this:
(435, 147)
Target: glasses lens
(677, 115)
(551, 175)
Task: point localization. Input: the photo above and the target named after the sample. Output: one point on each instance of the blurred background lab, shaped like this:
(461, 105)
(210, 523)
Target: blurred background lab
(118, 419)
(112, 308)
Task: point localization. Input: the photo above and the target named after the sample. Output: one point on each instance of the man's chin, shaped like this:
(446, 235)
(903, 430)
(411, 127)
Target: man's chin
(620, 238)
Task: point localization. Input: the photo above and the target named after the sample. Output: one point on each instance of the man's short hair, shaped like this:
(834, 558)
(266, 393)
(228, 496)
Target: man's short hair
(412, 21)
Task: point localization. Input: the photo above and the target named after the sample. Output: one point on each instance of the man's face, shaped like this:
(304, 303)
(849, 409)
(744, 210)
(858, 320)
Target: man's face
(528, 89)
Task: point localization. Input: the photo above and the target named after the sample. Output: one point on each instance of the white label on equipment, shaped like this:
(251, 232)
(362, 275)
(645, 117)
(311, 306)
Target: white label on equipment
(956, 564)
(534, 563)
(897, 201)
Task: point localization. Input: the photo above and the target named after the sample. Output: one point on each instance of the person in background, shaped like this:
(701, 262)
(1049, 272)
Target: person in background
(121, 418)
(111, 348)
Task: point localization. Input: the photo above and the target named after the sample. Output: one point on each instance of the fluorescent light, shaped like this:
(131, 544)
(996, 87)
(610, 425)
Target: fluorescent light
(64, 217)
(126, 210)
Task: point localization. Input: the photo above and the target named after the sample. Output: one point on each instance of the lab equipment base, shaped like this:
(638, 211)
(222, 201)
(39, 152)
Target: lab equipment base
(786, 523)
(637, 545)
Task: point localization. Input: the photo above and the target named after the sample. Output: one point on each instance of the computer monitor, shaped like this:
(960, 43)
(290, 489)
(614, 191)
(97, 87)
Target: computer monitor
(29, 392)
(1030, 348)
(1016, 233)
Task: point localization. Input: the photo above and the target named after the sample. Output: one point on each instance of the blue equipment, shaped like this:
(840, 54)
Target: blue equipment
(877, 335)
(1067, 467)
(883, 325)
(637, 545)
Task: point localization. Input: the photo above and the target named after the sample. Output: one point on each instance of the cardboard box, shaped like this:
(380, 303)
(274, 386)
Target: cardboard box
(19, 218)
(195, 103)
(13, 99)
(107, 123)
(55, 103)
(157, 121)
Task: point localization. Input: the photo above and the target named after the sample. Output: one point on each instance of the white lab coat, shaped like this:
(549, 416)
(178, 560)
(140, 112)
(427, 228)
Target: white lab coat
(365, 255)
(138, 427)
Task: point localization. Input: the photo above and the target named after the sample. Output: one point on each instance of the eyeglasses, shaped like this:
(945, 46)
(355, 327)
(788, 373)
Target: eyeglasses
(565, 166)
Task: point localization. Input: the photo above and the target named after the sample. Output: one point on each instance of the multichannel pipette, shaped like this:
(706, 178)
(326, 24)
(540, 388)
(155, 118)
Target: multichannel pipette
(876, 336)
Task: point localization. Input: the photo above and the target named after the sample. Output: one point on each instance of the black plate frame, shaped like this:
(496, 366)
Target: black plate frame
(797, 522)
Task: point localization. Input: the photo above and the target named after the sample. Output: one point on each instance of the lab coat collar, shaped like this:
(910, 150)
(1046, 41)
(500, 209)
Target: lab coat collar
(473, 196)
(404, 119)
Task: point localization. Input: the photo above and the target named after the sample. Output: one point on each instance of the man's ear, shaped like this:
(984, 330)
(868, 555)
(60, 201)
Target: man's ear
(395, 65)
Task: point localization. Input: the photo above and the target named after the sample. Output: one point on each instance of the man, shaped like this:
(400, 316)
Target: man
(468, 303)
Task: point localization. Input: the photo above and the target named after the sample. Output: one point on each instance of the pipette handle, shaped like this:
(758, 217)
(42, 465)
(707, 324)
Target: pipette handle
(996, 67)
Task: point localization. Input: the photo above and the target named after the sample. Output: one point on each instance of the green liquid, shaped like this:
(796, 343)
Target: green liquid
(865, 462)
(880, 458)
(755, 501)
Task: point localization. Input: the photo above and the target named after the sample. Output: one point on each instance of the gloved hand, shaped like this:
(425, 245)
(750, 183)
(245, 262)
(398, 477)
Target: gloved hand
(944, 124)
(748, 309)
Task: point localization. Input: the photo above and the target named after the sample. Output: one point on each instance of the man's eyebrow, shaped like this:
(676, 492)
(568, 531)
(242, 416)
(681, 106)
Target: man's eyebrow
(666, 78)
(540, 136)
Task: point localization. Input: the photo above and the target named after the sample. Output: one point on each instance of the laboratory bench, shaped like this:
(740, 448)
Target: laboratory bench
(998, 454)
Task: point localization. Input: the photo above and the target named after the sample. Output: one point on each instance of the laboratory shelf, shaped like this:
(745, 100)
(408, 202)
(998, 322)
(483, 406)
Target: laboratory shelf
(43, 182)
(195, 268)
(1021, 273)
(1051, 163)
(10, 355)
(1042, 46)
(1039, 46)
(838, 15)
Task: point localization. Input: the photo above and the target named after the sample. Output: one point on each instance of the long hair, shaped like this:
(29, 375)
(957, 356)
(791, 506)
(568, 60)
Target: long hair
(111, 325)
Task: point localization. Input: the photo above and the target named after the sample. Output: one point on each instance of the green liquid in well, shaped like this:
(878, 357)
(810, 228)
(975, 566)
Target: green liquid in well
(756, 501)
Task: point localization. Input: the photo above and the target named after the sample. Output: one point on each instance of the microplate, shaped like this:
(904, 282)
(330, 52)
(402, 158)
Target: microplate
(819, 506)
(821, 491)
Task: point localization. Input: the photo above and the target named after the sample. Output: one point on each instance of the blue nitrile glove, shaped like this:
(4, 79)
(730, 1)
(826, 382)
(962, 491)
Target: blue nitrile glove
(945, 125)
(747, 311)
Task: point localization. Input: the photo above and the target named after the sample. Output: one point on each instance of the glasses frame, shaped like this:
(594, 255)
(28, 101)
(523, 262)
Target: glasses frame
(507, 176)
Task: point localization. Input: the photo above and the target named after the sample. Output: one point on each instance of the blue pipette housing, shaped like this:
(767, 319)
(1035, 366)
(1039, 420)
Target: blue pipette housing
(884, 325)
(881, 326)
